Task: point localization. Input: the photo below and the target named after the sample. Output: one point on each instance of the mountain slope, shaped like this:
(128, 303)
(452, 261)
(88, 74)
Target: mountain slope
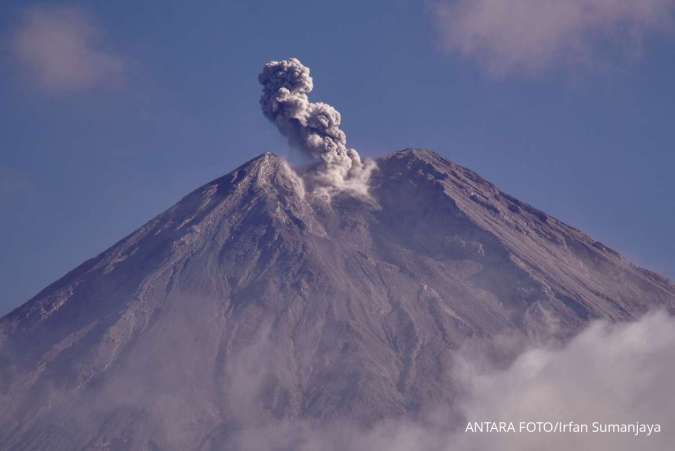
(246, 303)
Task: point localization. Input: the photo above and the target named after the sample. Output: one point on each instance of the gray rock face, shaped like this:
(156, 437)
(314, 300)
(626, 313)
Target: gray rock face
(246, 304)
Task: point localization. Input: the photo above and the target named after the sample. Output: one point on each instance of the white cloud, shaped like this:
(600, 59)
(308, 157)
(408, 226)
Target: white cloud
(508, 36)
(610, 374)
(60, 48)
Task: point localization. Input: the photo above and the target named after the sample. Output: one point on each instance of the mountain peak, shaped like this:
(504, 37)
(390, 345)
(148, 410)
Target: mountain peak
(433, 164)
(260, 170)
(246, 287)
(418, 153)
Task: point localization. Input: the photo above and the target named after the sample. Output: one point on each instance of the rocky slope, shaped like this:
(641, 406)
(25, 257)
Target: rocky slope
(247, 304)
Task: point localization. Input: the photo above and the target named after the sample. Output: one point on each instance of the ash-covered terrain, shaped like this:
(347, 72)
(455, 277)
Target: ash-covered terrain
(250, 304)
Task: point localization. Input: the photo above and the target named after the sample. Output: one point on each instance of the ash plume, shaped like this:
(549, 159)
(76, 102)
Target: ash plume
(312, 127)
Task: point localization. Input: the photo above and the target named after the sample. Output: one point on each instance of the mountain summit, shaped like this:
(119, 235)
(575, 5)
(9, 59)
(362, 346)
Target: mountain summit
(248, 303)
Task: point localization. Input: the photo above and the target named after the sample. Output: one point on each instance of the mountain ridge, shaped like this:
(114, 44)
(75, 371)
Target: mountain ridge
(248, 292)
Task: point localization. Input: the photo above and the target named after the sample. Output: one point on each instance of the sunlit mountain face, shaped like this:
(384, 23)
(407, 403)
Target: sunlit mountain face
(252, 308)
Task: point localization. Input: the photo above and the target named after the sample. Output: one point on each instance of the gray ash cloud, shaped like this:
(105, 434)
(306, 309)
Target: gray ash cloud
(312, 127)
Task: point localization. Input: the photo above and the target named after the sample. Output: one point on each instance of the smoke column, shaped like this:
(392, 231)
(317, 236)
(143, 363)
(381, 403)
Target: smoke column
(311, 127)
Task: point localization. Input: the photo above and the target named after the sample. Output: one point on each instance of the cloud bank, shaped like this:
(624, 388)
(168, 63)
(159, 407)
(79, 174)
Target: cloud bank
(312, 127)
(507, 36)
(60, 48)
(612, 374)
(609, 373)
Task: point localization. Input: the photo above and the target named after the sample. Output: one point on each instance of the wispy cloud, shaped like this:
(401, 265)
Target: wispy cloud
(529, 36)
(61, 48)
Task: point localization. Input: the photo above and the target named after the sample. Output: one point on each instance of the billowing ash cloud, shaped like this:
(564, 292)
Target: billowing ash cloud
(312, 127)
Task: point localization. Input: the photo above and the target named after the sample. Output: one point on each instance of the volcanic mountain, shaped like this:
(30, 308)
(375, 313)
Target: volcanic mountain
(249, 302)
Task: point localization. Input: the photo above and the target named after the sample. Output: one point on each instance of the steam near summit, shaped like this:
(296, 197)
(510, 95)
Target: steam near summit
(312, 127)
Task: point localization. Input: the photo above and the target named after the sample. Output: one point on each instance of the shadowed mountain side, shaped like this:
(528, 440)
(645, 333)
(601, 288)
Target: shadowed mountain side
(247, 303)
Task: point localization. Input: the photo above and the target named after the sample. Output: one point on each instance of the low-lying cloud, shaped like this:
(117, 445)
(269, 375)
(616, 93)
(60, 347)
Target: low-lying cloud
(60, 48)
(612, 374)
(609, 374)
(507, 36)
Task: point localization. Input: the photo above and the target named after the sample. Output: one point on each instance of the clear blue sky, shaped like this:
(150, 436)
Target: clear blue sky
(112, 111)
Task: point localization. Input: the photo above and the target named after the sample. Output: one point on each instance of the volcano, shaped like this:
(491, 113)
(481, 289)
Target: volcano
(250, 303)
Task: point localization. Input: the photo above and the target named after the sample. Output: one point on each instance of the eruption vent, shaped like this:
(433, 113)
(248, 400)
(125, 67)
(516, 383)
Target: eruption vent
(314, 128)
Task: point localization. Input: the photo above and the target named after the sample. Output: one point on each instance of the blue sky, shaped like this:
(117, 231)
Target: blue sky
(112, 111)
